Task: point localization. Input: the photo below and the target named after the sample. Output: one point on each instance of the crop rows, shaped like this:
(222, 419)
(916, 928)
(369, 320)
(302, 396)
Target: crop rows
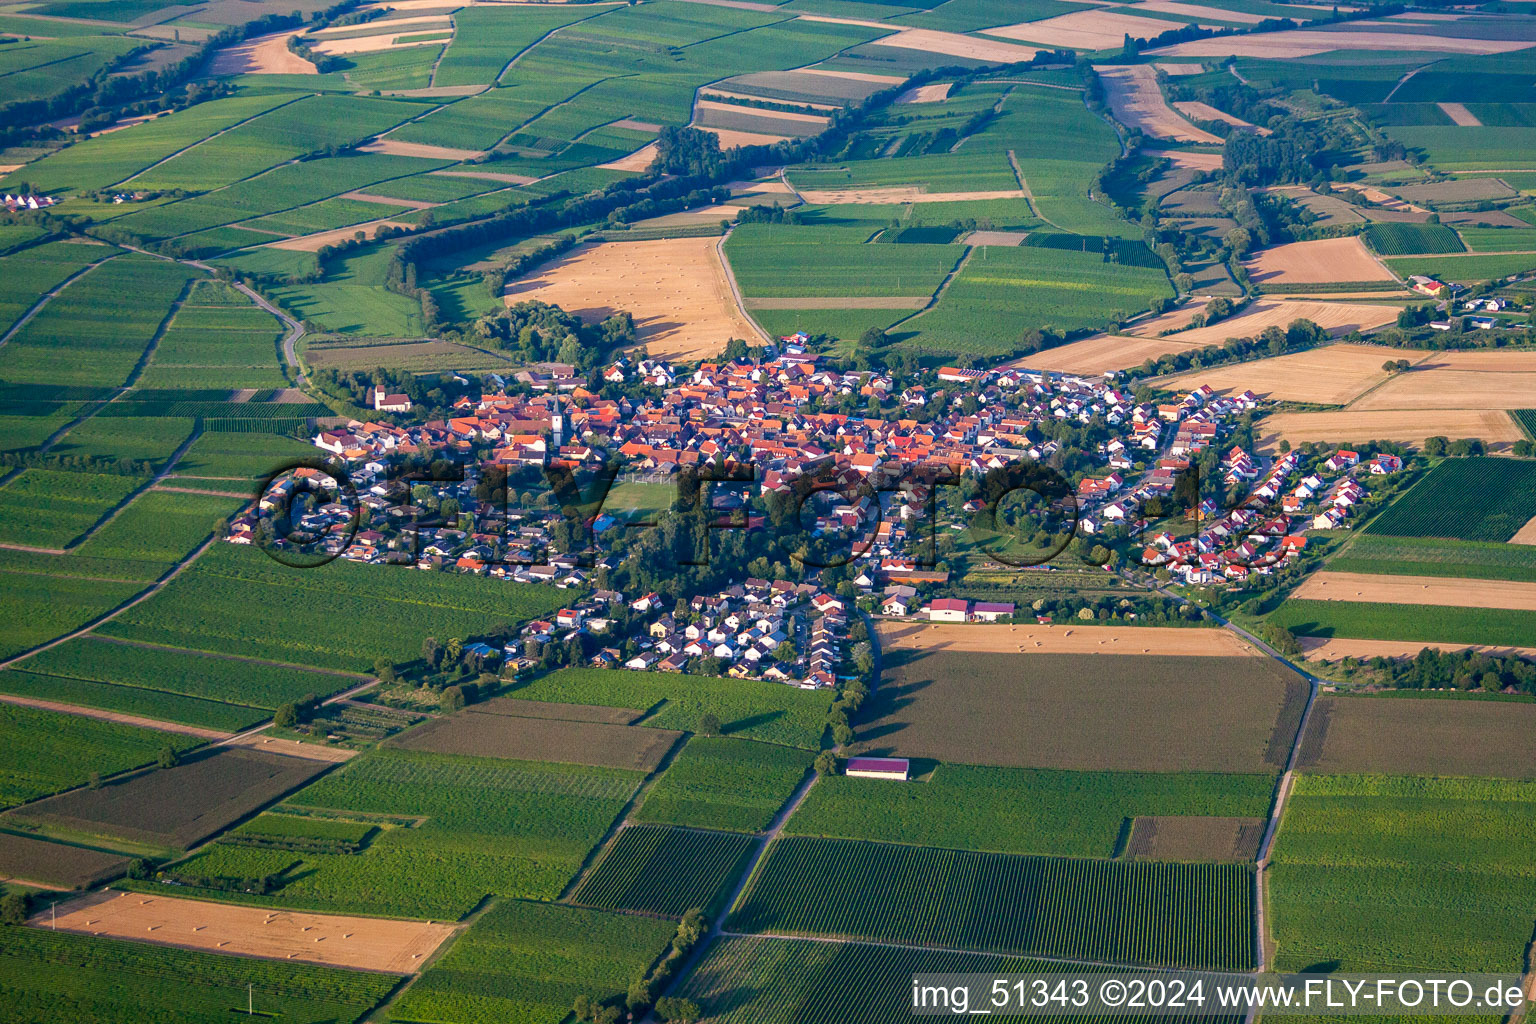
(663, 870)
(1404, 239)
(723, 782)
(1185, 915)
(1478, 498)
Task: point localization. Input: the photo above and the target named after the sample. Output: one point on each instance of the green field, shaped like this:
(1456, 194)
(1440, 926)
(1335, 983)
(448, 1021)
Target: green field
(241, 456)
(1499, 239)
(528, 962)
(1478, 498)
(156, 704)
(1415, 623)
(34, 272)
(71, 342)
(37, 605)
(48, 508)
(457, 829)
(1463, 269)
(160, 527)
(1404, 239)
(726, 783)
(1457, 148)
(1188, 915)
(218, 338)
(773, 261)
(746, 708)
(1434, 556)
(105, 981)
(238, 601)
(46, 751)
(1383, 873)
(351, 298)
(1020, 810)
(668, 871)
(148, 439)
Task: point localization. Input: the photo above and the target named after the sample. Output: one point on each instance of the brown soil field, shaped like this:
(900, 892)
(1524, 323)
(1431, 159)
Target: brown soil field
(541, 739)
(1206, 112)
(293, 748)
(264, 55)
(70, 867)
(1133, 95)
(633, 125)
(1526, 534)
(639, 160)
(953, 44)
(1336, 317)
(321, 239)
(1194, 838)
(900, 194)
(730, 138)
(1062, 639)
(1324, 261)
(782, 115)
(711, 93)
(676, 289)
(1488, 380)
(1459, 113)
(1103, 353)
(1178, 70)
(373, 44)
(363, 943)
(412, 355)
(926, 93)
(1432, 590)
(1197, 11)
(511, 179)
(1420, 736)
(1083, 712)
(1194, 161)
(1329, 375)
(1305, 42)
(177, 807)
(1403, 426)
(397, 148)
(1084, 30)
(409, 204)
(388, 24)
(549, 709)
(852, 76)
(1318, 648)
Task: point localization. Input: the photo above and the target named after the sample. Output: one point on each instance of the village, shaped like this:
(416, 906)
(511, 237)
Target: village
(762, 414)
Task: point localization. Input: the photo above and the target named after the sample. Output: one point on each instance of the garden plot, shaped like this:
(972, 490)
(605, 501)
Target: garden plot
(364, 943)
(1325, 261)
(677, 290)
(1138, 103)
(1328, 375)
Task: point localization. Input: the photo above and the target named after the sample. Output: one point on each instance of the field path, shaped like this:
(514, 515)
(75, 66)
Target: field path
(205, 138)
(730, 280)
(114, 716)
(42, 301)
(939, 291)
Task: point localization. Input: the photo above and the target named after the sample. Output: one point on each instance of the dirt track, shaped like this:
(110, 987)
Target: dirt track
(366, 943)
(1335, 649)
(114, 716)
(926, 93)
(1431, 590)
(1062, 638)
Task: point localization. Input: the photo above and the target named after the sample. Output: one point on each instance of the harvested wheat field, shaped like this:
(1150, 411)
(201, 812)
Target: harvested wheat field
(264, 55)
(318, 241)
(1306, 42)
(900, 194)
(1179, 70)
(926, 93)
(394, 147)
(1460, 380)
(1102, 353)
(676, 288)
(1328, 375)
(953, 44)
(1206, 112)
(730, 138)
(1062, 639)
(1085, 30)
(852, 76)
(1459, 113)
(293, 748)
(639, 160)
(1403, 426)
(1526, 534)
(1434, 590)
(1318, 648)
(1133, 94)
(365, 943)
(1193, 161)
(1198, 11)
(1327, 260)
(386, 25)
(1335, 317)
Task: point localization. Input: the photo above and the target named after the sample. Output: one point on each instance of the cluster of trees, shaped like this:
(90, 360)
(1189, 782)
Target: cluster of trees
(638, 998)
(538, 332)
(296, 712)
(430, 396)
(78, 463)
(1301, 333)
(1434, 669)
(1440, 445)
(497, 277)
(1233, 97)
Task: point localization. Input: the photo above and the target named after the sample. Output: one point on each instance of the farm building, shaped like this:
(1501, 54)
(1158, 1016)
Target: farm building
(991, 611)
(878, 768)
(948, 609)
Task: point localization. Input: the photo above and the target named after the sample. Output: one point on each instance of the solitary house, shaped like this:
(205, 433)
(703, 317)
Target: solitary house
(878, 768)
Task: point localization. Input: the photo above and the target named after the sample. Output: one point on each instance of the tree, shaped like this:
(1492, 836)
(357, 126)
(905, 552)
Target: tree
(13, 909)
(167, 757)
(582, 1007)
(826, 763)
(1436, 446)
(709, 725)
(287, 717)
(785, 652)
(676, 1010)
(842, 735)
(452, 700)
(638, 997)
